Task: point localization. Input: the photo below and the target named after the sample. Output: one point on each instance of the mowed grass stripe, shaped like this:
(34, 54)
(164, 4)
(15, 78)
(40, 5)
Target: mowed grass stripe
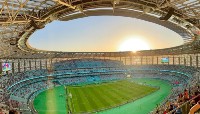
(72, 100)
(120, 91)
(99, 97)
(108, 91)
(137, 89)
(107, 95)
(86, 103)
(79, 101)
(102, 88)
(89, 97)
(105, 99)
(119, 95)
(79, 106)
(125, 93)
(123, 90)
(114, 98)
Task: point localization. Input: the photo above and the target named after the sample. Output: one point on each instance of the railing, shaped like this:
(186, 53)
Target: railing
(182, 106)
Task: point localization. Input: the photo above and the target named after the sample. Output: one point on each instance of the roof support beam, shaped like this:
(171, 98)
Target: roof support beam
(79, 8)
(114, 3)
(65, 4)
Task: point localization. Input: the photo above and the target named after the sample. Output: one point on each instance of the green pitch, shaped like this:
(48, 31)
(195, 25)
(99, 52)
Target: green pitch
(97, 97)
(54, 101)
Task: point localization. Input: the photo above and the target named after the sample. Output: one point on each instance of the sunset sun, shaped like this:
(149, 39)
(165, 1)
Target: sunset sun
(134, 44)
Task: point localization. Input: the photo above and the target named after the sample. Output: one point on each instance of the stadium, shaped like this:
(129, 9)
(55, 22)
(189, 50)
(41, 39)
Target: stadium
(155, 81)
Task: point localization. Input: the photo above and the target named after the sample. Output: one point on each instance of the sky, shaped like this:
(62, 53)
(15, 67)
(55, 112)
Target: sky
(102, 34)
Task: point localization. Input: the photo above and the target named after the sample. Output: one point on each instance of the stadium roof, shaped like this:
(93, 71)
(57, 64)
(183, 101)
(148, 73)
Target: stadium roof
(20, 18)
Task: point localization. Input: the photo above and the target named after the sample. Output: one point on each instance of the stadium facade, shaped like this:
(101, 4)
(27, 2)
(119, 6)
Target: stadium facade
(28, 16)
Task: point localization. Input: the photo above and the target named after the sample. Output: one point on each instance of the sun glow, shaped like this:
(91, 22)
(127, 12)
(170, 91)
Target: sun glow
(134, 44)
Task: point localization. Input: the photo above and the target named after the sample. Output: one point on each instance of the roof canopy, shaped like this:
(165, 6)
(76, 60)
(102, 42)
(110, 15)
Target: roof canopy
(20, 18)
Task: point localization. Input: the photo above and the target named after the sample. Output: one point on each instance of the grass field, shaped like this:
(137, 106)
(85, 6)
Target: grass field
(50, 101)
(97, 97)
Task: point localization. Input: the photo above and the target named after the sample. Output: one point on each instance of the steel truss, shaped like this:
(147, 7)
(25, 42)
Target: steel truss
(20, 18)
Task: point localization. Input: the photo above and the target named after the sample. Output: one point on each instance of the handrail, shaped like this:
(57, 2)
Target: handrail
(183, 104)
